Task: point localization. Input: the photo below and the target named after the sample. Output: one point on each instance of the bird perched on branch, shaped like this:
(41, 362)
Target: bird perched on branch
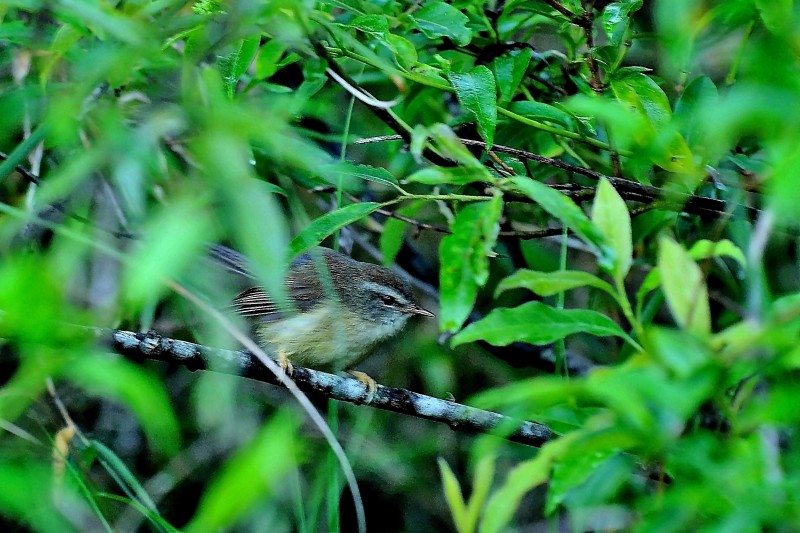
(343, 309)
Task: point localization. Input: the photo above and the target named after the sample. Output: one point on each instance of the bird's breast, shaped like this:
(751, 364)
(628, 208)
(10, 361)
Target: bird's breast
(326, 338)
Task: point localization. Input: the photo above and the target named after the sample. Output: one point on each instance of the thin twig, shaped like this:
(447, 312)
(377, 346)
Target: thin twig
(630, 190)
(501, 163)
(587, 23)
(533, 234)
(419, 224)
(380, 112)
(27, 174)
(561, 9)
(523, 234)
(197, 357)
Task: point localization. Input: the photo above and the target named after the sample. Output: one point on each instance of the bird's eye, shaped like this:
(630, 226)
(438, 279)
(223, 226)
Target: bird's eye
(386, 299)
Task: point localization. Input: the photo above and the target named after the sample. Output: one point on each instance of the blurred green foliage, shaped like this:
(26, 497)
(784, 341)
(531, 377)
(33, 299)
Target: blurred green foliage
(135, 133)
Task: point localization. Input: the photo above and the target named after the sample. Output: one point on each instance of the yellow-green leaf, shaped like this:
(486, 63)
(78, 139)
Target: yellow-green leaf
(684, 287)
(610, 215)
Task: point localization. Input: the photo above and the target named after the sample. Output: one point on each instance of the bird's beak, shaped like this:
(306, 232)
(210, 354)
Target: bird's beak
(416, 310)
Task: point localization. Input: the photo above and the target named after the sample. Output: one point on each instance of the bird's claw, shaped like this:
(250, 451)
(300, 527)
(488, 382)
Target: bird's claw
(285, 364)
(369, 383)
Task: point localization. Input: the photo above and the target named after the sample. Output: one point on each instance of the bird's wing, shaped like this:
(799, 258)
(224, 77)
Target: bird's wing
(302, 284)
(230, 259)
(254, 302)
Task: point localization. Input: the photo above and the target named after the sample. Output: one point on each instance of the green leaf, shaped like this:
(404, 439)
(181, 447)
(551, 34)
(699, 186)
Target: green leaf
(705, 249)
(610, 215)
(327, 224)
(536, 323)
(640, 92)
(437, 19)
(776, 14)
(628, 127)
(616, 19)
(19, 152)
(509, 69)
(550, 283)
(541, 111)
(135, 387)
(126, 480)
(572, 472)
(702, 249)
(252, 207)
(481, 483)
(454, 497)
(169, 247)
(477, 94)
(684, 287)
(450, 175)
(699, 95)
(16, 32)
(25, 498)
(268, 58)
(671, 153)
(464, 260)
(404, 52)
(677, 350)
(465, 516)
(158, 523)
(523, 478)
(391, 238)
(568, 212)
(233, 66)
(374, 24)
(380, 175)
(538, 393)
(450, 146)
(667, 148)
(250, 476)
(63, 40)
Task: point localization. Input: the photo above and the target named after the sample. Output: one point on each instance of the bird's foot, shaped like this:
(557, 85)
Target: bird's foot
(284, 363)
(368, 382)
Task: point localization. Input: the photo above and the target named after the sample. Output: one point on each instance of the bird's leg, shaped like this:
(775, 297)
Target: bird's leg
(284, 363)
(368, 382)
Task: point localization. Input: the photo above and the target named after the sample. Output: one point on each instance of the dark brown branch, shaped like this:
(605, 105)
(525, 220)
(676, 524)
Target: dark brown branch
(630, 190)
(523, 234)
(459, 417)
(27, 174)
(555, 4)
(419, 224)
(588, 27)
(533, 234)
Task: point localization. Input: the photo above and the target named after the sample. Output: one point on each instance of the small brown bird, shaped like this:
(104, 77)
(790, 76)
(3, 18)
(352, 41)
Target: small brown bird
(344, 310)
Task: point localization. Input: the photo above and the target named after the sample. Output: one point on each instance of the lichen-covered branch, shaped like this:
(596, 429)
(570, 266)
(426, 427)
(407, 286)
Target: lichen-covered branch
(459, 417)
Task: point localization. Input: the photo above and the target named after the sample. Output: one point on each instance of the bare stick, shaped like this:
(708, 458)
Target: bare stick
(458, 416)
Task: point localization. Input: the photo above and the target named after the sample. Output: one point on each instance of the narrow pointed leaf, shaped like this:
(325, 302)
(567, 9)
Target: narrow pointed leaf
(550, 283)
(569, 214)
(453, 496)
(465, 263)
(684, 287)
(610, 215)
(536, 323)
(477, 94)
(325, 225)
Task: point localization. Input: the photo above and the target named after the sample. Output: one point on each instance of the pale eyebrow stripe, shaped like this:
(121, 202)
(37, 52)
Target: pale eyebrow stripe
(377, 287)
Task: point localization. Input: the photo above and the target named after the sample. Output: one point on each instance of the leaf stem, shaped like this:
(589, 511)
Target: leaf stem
(730, 79)
(627, 310)
(561, 352)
